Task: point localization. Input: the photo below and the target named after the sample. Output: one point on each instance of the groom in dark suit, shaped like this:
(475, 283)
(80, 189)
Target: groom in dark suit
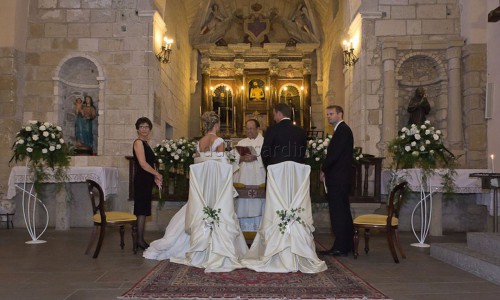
(283, 141)
(336, 172)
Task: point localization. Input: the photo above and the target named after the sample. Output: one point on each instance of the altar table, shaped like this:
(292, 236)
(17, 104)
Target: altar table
(463, 185)
(106, 177)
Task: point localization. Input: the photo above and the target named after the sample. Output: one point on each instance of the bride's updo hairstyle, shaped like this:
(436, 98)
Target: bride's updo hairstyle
(209, 119)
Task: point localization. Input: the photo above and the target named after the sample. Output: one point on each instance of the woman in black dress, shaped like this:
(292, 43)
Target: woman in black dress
(145, 177)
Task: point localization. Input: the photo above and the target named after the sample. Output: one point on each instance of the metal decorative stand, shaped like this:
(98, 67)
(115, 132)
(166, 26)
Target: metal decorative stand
(425, 205)
(29, 205)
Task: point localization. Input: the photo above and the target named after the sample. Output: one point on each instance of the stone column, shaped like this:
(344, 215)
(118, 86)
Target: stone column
(390, 105)
(455, 131)
(306, 94)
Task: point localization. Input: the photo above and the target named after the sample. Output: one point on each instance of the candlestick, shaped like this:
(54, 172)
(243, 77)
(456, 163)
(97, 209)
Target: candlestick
(234, 118)
(492, 163)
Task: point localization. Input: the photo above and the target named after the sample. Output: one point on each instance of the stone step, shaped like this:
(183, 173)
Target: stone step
(484, 242)
(472, 261)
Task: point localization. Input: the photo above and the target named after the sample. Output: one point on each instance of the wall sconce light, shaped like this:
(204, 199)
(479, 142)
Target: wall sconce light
(164, 55)
(349, 58)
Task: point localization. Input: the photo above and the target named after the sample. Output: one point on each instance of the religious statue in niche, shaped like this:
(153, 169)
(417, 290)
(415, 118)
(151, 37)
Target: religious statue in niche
(85, 112)
(214, 18)
(256, 90)
(418, 107)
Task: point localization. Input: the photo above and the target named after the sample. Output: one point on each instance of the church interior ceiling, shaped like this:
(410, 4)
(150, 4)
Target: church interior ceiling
(234, 21)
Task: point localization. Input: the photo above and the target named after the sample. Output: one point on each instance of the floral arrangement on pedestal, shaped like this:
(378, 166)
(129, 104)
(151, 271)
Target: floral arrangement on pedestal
(421, 146)
(47, 153)
(316, 151)
(177, 153)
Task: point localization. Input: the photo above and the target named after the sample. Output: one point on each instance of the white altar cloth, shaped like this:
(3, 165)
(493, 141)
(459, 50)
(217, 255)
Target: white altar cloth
(106, 177)
(464, 184)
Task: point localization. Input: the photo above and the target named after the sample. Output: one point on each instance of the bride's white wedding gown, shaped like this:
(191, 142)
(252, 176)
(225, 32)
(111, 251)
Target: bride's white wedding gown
(176, 242)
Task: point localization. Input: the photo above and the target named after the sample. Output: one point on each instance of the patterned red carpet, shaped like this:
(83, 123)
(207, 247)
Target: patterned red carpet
(173, 281)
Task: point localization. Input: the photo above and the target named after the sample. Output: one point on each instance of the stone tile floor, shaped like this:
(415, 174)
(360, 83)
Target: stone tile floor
(58, 269)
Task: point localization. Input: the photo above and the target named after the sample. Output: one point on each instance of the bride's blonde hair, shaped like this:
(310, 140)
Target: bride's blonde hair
(209, 119)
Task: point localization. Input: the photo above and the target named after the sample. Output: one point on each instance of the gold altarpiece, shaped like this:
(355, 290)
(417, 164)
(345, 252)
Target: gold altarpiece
(249, 84)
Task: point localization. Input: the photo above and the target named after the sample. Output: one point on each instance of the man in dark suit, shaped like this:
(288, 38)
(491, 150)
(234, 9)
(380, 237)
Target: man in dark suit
(283, 141)
(336, 172)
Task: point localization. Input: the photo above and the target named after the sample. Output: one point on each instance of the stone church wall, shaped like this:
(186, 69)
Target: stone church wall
(118, 40)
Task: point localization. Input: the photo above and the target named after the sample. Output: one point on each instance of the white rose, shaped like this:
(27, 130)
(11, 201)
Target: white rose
(29, 149)
(417, 136)
(160, 160)
(42, 128)
(361, 156)
(35, 137)
(28, 128)
(58, 146)
(427, 132)
(44, 150)
(52, 148)
(427, 142)
(171, 161)
(61, 141)
(172, 154)
(33, 122)
(182, 160)
(407, 148)
(403, 136)
(47, 124)
(317, 158)
(427, 122)
(404, 129)
(413, 144)
(45, 133)
(20, 142)
(314, 145)
(179, 151)
(438, 131)
(431, 152)
(52, 135)
(58, 128)
(423, 126)
(422, 148)
(415, 153)
(176, 157)
(320, 141)
(357, 157)
(436, 137)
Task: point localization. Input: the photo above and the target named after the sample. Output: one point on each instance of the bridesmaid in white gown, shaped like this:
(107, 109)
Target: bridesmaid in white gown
(176, 241)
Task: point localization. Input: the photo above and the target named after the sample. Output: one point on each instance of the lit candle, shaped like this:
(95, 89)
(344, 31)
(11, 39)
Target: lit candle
(492, 163)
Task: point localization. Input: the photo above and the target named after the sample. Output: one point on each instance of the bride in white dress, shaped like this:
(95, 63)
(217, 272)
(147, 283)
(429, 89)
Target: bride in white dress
(176, 242)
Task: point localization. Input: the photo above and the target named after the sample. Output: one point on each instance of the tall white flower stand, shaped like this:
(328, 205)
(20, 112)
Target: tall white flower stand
(425, 208)
(29, 205)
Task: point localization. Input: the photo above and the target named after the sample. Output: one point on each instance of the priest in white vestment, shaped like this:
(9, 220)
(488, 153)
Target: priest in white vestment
(251, 172)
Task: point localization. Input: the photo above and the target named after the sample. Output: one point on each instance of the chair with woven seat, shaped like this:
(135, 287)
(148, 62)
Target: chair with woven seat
(387, 222)
(103, 219)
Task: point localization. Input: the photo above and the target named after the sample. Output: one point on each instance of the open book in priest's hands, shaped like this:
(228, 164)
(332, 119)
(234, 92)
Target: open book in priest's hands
(245, 150)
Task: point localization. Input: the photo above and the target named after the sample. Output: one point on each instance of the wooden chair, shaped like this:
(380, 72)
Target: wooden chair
(387, 222)
(103, 218)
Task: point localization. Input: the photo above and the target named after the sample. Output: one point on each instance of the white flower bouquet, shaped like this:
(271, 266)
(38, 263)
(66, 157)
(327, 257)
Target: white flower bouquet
(177, 153)
(316, 151)
(420, 147)
(43, 145)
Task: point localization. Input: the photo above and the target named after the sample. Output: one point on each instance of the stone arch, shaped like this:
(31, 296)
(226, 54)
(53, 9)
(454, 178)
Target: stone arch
(78, 76)
(427, 70)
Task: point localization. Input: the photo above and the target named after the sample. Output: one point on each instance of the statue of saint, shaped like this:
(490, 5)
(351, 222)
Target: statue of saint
(256, 92)
(419, 107)
(85, 113)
